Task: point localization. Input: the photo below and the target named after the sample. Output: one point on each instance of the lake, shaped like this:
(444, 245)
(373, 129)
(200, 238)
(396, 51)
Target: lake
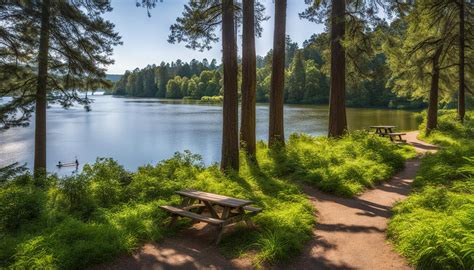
(138, 131)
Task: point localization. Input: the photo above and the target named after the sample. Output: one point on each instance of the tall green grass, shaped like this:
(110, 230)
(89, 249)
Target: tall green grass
(345, 166)
(434, 227)
(75, 222)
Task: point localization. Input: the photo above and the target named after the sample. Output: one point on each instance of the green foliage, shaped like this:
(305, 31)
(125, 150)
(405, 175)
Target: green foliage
(307, 80)
(212, 99)
(75, 222)
(345, 166)
(434, 227)
(18, 205)
(175, 80)
(80, 47)
(450, 131)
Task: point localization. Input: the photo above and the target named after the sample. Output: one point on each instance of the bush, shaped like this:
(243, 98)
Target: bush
(212, 99)
(106, 179)
(72, 196)
(19, 205)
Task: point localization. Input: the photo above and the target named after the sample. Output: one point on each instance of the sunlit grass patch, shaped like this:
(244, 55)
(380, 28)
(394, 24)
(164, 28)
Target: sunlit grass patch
(434, 227)
(345, 166)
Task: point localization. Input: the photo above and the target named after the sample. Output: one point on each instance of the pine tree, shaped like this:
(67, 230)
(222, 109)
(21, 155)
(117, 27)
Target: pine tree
(421, 57)
(347, 20)
(197, 29)
(249, 79)
(76, 64)
(276, 133)
(297, 79)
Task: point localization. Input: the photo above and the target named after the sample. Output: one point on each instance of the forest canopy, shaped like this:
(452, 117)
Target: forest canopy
(306, 79)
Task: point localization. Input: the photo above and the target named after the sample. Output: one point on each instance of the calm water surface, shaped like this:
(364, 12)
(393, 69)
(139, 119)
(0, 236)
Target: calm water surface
(140, 131)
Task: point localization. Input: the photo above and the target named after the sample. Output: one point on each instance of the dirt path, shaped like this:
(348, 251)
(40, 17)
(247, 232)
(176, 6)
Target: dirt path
(350, 234)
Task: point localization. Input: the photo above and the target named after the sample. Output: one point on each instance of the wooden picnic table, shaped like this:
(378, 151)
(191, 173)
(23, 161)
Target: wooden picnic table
(383, 130)
(223, 210)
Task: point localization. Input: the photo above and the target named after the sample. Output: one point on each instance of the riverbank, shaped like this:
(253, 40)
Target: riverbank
(109, 211)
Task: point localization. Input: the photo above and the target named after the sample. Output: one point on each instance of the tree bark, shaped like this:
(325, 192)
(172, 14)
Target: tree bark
(41, 89)
(230, 133)
(432, 121)
(249, 79)
(461, 93)
(276, 127)
(337, 99)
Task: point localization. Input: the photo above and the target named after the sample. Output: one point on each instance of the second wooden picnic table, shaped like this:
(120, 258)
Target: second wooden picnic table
(223, 210)
(383, 130)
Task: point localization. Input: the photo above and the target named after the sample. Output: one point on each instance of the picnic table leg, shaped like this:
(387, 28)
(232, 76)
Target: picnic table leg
(224, 216)
(219, 236)
(211, 209)
(185, 202)
(247, 220)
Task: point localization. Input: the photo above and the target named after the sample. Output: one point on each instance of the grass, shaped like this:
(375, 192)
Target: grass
(75, 222)
(345, 166)
(434, 227)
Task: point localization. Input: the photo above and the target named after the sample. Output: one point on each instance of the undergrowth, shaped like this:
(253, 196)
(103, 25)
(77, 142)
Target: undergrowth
(78, 221)
(434, 227)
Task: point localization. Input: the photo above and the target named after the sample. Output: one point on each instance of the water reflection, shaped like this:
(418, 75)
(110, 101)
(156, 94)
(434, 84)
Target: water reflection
(138, 131)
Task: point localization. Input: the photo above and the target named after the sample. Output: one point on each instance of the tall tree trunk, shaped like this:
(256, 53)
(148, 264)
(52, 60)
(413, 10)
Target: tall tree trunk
(337, 99)
(461, 93)
(249, 79)
(230, 132)
(276, 127)
(41, 102)
(432, 122)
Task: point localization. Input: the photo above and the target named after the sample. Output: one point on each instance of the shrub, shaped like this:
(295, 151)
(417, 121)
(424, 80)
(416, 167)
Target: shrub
(212, 99)
(19, 205)
(106, 179)
(72, 196)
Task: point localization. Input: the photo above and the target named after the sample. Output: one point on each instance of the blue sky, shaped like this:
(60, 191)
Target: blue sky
(145, 38)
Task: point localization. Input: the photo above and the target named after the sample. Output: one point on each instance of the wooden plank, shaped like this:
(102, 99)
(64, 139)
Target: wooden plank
(382, 127)
(214, 198)
(184, 213)
(252, 209)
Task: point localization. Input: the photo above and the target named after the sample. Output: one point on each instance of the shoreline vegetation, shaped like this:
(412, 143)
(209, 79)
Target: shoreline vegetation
(306, 80)
(109, 211)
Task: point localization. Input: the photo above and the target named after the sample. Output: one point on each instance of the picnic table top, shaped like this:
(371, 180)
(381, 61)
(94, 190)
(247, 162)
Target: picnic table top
(214, 198)
(383, 126)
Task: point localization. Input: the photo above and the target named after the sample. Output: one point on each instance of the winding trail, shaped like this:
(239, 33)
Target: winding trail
(350, 233)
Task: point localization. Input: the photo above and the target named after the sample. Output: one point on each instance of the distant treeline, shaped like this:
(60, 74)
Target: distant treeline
(306, 81)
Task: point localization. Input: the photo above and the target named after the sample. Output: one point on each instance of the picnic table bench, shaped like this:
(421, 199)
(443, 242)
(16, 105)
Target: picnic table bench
(396, 137)
(223, 210)
(388, 131)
